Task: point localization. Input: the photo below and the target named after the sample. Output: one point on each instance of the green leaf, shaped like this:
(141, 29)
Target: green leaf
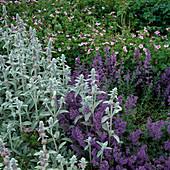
(67, 139)
(61, 145)
(96, 104)
(99, 153)
(77, 118)
(117, 138)
(27, 123)
(52, 152)
(45, 114)
(86, 147)
(87, 116)
(57, 135)
(61, 111)
(37, 153)
(38, 167)
(18, 153)
(34, 124)
(105, 118)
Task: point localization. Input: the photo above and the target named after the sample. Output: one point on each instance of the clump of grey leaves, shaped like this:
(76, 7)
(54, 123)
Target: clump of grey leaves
(30, 85)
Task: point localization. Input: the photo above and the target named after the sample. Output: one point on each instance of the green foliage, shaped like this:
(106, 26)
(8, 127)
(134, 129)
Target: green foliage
(85, 28)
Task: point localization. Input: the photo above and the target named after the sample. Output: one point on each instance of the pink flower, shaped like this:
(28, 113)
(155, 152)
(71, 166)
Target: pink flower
(67, 35)
(166, 45)
(39, 10)
(133, 35)
(111, 26)
(157, 32)
(65, 12)
(51, 15)
(167, 29)
(44, 9)
(144, 49)
(124, 49)
(101, 34)
(68, 48)
(103, 7)
(141, 37)
(25, 130)
(29, 131)
(157, 46)
(112, 43)
(98, 24)
(88, 52)
(80, 44)
(97, 48)
(79, 165)
(90, 26)
(141, 46)
(89, 12)
(59, 49)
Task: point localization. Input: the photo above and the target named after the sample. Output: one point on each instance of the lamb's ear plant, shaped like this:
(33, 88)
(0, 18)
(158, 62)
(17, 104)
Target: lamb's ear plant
(103, 147)
(9, 164)
(89, 146)
(110, 112)
(88, 91)
(29, 80)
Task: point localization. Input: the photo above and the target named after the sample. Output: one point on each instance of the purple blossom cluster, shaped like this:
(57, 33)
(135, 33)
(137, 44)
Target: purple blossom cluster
(163, 86)
(135, 152)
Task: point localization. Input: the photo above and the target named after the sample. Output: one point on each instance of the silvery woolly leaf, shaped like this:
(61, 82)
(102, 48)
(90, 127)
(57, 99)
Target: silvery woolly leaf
(61, 145)
(38, 167)
(108, 102)
(117, 108)
(45, 114)
(105, 127)
(57, 135)
(52, 103)
(87, 116)
(99, 153)
(114, 93)
(96, 104)
(67, 139)
(61, 111)
(105, 118)
(101, 92)
(117, 138)
(77, 118)
(26, 123)
(52, 152)
(86, 147)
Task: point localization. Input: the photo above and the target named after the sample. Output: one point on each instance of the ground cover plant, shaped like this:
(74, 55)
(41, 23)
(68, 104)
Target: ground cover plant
(110, 111)
(85, 28)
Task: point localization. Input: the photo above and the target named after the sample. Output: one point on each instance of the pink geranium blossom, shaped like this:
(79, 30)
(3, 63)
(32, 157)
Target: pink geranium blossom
(157, 32)
(141, 46)
(125, 49)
